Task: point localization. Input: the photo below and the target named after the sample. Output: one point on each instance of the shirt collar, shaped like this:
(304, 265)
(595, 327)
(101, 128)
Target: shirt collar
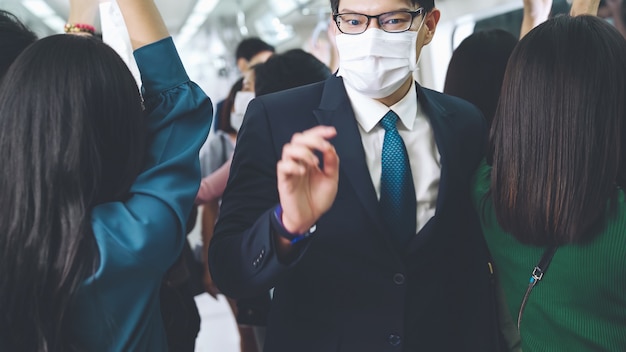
(369, 112)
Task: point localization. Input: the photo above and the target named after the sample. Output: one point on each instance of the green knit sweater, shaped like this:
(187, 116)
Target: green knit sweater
(580, 305)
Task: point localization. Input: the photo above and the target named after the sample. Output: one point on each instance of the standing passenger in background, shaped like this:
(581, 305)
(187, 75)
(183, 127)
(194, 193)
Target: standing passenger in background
(249, 52)
(14, 38)
(215, 158)
(382, 252)
(477, 67)
(220, 145)
(293, 68)
(252, 51)
(551, 195)
(94, 215)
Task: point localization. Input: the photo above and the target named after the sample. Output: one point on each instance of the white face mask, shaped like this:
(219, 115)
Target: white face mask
(242, 99)
(376, 63)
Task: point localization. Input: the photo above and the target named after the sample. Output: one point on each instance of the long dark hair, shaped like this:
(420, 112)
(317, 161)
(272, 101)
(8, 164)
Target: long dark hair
(72, 136)
(476, 69)
(558, 140)
(426, 4)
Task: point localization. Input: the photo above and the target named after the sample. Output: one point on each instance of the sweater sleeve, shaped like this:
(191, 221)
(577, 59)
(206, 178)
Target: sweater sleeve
(212, 187)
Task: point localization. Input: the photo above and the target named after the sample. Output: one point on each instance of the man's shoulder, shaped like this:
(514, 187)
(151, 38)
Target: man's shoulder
(288, 111)
(463, 122)
(455, 111)
(452, 104)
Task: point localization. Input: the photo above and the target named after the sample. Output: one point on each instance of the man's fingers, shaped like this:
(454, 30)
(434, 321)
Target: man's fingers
(299, 154)
(331, 162)
(315, 138)
(286, 168)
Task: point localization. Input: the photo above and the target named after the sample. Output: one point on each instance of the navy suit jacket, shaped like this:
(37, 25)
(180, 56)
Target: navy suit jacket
(348, 289)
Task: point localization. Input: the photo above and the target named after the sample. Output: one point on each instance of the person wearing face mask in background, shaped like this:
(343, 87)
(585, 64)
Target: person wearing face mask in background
(215, 159)
(220, 145)
(249, 52)
(242, 99)
(315, 204)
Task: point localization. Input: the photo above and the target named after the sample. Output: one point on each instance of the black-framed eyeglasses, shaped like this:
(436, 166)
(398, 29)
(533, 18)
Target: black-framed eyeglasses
(392, 22)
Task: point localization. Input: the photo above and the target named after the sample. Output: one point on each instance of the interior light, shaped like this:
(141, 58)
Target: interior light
(45, 13)
(54, 22)
(39, 8)
(204, 6)
(283, 7)
(199, 14)
(272, 30)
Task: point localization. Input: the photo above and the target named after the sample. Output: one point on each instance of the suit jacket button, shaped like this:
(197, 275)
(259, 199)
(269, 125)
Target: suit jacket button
(394, 340)
(398, 279)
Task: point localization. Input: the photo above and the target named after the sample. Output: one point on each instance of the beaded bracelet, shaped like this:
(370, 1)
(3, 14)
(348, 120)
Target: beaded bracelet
(79, 28)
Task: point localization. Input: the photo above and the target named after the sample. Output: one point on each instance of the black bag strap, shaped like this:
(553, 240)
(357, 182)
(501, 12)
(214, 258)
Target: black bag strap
(535, 277)
(498, 342)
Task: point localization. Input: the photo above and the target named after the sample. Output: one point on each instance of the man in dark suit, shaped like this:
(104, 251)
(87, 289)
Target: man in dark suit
(356, 265)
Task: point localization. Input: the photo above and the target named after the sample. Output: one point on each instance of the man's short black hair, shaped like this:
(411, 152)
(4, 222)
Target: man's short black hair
(249, 47)
(290, 69)
(426, 4)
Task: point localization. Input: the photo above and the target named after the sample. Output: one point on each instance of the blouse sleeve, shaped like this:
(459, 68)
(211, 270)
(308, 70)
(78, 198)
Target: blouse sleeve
(149, 226)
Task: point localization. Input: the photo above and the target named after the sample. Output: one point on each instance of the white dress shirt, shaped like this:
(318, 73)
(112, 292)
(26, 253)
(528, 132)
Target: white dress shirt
(416, 131)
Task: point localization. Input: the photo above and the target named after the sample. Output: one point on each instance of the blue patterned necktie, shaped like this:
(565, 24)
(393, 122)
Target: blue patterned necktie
(397, 193)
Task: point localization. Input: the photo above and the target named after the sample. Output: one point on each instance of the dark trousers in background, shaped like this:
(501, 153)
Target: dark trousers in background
(181, 318)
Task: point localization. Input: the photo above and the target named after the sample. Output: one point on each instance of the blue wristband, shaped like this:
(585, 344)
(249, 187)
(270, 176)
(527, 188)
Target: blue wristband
(293, 238)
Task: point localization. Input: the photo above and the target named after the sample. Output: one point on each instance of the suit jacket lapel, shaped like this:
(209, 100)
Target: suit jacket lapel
(335, 110)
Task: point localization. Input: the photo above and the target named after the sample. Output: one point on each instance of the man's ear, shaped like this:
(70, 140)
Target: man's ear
(430, 23)
(333, 26)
